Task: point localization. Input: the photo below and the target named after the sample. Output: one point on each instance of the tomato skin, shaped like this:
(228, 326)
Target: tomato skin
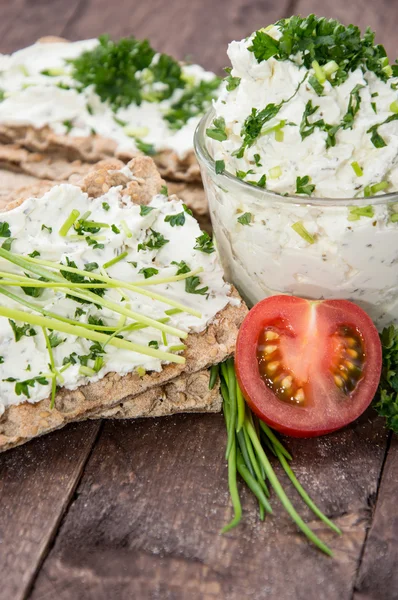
(326, 413)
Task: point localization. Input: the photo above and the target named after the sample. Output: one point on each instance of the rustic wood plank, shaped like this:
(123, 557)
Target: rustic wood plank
(381, 16)
(378, 575)
(22, 22)
(154, 497)
(36, 483)
(200, 30)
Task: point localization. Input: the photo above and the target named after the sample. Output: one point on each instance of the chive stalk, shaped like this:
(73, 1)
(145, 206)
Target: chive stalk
(319, 72)
(53, 369)
(115, 260)
(232, 481)
(95, 336)
(74, 215)
(303, 232)
(357, 169)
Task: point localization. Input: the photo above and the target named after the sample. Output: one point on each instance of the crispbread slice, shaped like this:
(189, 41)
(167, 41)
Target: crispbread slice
(131, 395)
(20, 167)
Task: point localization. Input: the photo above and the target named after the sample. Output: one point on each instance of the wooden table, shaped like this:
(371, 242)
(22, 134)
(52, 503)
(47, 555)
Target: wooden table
(132, 510)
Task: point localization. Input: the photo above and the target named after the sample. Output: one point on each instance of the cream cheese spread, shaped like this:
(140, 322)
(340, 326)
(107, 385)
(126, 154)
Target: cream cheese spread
(37, 88)
(130, 243)
(289, 127)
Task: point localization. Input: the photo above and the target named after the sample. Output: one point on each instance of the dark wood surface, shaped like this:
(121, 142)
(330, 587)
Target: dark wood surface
(133, 510)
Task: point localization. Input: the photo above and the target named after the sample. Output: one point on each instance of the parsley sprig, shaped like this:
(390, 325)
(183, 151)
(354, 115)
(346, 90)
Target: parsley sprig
(386, 401)
(323, 40)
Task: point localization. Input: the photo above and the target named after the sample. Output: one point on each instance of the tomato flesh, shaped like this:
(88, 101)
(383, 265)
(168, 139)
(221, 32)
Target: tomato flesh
(308, 367)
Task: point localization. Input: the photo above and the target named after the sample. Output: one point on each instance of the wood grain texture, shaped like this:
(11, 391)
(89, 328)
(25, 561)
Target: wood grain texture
(381, 16)
(154, 497)
(378, 576)
(22, 22)
(196, 29)
(36, 484)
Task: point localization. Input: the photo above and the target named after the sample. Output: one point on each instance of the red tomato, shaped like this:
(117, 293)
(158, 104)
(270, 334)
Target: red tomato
(308, 367)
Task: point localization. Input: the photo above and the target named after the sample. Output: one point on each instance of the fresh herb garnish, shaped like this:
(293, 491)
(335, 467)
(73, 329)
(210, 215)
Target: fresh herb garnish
(55, 340)
(217, 131)
(21, 331)
(191, 286)
(148, 272)
(386, 401)
(22, 387)
(193, 102)
(154, 241)
(204, 243)
(145, 210)
(303, 232)
(95, 321)
(92, 266)
(220, 167)
(232, 82)
(177, 220)
(317, 87)
(93, 242)
(154, 344)
(68, 125)
(356, 212)
(303, 185)
(376, 138)
(6, 245)
(245, 219)
(115, 229)
(164, 191)
(34, 254)
(4, 230)
(45, 227)
(145, 148)
(105, 206)
(324, 41)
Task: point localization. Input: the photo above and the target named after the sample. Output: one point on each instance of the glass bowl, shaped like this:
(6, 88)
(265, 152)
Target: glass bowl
(310, 247)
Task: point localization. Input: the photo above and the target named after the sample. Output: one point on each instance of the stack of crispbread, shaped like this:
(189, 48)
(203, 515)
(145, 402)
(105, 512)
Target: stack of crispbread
(177, 388)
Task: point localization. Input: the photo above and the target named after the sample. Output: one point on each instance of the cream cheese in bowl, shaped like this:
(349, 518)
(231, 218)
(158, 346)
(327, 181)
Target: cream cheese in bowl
(300, 162)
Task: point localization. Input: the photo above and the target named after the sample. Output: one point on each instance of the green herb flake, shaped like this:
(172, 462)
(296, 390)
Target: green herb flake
(217, 132)
(21, 331)
(386, 400)
(5, 230)
(148, 149)
(356, 212)
(245, 219)
(148, 272)
(204, 243)
(220, 167)
(22, 387)
(115, 229)
(317, 87)
(376, 139)
(34, 254)
(193, 102)
(46, 228)
(192, 286)
(145, 210)
(164, 191)
(55, 340)
(303, 185)
(154, 344)
(302, 231)
(177, 220)
(257, 159)
(105, 206)
(154, 241)
(232, 82)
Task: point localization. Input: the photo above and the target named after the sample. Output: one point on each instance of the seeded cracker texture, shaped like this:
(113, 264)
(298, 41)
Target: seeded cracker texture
(177, 388)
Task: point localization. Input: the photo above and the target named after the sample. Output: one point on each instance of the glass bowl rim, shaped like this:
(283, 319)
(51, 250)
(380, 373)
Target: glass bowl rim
(205, 158)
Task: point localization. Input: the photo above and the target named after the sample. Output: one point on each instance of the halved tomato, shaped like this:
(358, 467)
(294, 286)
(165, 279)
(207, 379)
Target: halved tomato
(308, 367)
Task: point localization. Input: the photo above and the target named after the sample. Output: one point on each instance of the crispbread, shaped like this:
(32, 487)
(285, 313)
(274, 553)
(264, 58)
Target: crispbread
(130, 395)
(20, 167)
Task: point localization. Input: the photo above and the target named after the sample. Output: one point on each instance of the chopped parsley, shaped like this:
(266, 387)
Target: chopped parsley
(243, 174)
(303, 185)
(232, 82)
(145, 210)
(92, 266)
(115, 71)
(164, 191)
(154, 344)
(314, 83)
(257, 159)
(386, 400)
(21, 331)
(68, 125)
(204, 243)
(93, 242)
(148, 272)
(5, 230)
(220, 167)
(1, 360)
(115, 229)
(376, 138)
(217, 132)
(105, 206)
(145, 148)
(245, 219)
(7, 243)
(55, 340)
(192, 286)
(95, 321)
(45, 227)
(22, 387)
(194, 101)
(177, 220)
(323, 40)
(154, 241)
(34, 254)
(183, 268)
